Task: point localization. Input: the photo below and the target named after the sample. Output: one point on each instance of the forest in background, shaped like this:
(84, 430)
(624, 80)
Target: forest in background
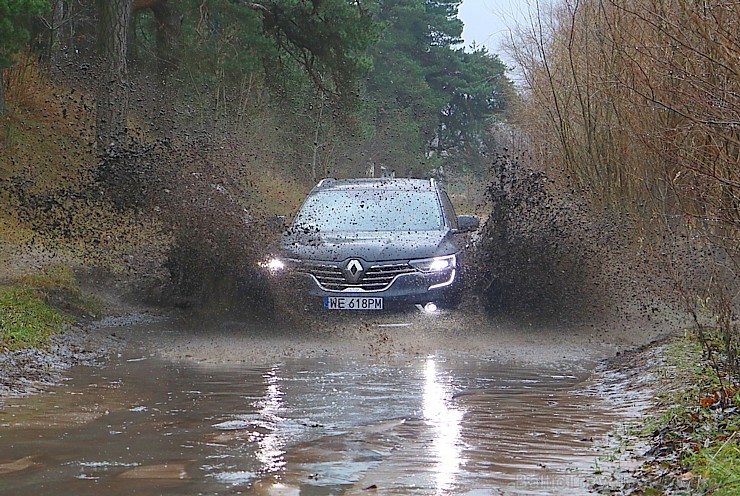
(327, 87)
(207, 116)
(196, 120)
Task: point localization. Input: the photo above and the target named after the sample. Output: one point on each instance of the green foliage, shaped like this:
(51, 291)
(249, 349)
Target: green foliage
(60, 288)
(295, 64)
(25, 320)
(286, 40)
(329, 38)
(432, 99)
(698, 426)
(718, 464)
(404, 82)
(15, 17)
(479, 92)
(223, 41)
(346, 84)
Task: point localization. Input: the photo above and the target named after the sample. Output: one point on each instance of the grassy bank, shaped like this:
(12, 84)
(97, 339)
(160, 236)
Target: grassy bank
(39, 304)
(693, 432)
(26, 321)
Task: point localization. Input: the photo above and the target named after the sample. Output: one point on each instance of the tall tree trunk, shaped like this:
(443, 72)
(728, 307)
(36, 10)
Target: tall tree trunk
(317, 135)
(168, 31)
(2, 91)
(168, 34)
(112, 94)
(55, 32)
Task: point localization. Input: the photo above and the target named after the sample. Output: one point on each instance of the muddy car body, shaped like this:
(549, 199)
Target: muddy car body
(373, 244)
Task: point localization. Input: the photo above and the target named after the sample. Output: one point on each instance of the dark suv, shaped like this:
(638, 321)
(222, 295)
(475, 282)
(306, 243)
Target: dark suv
(372, 244)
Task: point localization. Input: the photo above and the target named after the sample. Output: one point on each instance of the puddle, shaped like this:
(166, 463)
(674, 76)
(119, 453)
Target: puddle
(427, 425)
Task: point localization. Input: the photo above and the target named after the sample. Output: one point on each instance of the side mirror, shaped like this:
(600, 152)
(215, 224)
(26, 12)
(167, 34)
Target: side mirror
(467, 223)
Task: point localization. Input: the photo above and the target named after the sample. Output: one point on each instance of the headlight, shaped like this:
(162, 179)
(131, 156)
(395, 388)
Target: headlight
(435, 264)
(273, 264)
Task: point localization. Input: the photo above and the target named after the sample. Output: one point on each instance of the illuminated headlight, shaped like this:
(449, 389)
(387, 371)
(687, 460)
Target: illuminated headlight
(273, 264)
(436, 264)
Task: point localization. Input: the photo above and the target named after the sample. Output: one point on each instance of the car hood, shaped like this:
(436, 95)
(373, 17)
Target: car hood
(370, 246)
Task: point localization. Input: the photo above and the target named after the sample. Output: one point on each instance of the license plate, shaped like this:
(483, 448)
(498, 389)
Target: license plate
(353, 303)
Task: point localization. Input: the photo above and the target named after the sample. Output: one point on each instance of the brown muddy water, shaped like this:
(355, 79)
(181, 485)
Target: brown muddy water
(436, 424)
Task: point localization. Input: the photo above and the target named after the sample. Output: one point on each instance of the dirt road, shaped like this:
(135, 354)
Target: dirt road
(451, 403)
(410, 333)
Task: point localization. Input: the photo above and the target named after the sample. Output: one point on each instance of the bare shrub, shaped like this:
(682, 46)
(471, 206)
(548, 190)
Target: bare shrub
(637, 103)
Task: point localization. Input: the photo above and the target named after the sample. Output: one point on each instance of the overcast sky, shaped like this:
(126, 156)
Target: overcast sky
(487, 22)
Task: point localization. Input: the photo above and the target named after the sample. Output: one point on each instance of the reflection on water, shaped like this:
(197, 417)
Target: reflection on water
(271, 451)
(445, 420)
(429, 425)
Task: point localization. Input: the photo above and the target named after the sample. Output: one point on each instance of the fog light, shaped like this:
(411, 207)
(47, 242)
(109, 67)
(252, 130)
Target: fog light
(430, 307)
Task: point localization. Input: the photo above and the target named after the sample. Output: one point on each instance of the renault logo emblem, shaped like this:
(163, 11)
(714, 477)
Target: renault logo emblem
(353, 270)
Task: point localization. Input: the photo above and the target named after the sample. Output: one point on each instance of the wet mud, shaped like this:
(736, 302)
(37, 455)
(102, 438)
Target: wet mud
(34, 370)
(390, 405)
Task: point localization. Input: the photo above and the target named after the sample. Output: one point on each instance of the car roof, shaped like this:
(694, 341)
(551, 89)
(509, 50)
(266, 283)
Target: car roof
(385, 183)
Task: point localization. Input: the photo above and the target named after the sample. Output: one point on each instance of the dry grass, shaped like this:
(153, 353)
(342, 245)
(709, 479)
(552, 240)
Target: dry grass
(43, 141)
(635, 104)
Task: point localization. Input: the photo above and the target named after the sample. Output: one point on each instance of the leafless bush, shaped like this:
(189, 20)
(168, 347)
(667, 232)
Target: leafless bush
(637, 103)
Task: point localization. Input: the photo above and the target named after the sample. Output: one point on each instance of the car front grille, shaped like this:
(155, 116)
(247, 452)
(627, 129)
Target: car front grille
(377, 277)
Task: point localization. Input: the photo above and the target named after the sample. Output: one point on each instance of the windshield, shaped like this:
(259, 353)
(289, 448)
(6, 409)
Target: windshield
(371, 210)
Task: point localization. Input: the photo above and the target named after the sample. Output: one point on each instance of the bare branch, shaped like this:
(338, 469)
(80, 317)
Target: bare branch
(253, 6)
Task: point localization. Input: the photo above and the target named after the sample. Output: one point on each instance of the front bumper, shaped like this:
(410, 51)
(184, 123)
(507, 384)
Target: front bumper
(415, 287)
(406, 289)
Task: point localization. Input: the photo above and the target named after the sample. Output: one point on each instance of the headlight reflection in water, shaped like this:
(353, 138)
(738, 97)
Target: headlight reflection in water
(446, 422)
(271, 452)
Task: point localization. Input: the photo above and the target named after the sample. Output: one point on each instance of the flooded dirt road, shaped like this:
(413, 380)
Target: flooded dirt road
(447, 422)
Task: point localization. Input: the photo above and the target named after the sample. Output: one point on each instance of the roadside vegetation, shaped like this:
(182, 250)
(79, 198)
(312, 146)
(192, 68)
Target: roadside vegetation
(697, 433)
(690, 431)
(26, 321)
(635, 105)
(60, 289)
(38, 304)
(153, 140)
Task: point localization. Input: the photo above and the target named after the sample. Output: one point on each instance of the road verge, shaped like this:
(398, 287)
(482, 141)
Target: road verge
(44, 330)
(689, 434)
